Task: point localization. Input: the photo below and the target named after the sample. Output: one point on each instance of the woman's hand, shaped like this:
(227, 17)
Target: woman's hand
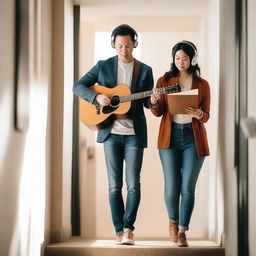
(195, 112)
(154, 97)
(103, 99)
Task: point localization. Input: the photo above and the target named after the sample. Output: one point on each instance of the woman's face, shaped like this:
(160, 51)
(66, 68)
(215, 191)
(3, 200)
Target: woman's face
(181, 61)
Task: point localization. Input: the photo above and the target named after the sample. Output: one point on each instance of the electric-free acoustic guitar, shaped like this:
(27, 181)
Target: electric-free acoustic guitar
(94, 114)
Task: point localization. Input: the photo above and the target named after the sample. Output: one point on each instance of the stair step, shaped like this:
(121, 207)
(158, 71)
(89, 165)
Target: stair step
(82, 247)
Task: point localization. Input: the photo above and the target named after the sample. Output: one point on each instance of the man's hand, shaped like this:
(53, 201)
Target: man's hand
(103, 99)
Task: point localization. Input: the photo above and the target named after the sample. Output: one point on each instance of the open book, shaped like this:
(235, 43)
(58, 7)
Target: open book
(177, 102)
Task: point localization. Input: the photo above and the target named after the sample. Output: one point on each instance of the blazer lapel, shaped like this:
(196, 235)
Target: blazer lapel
(115, 70)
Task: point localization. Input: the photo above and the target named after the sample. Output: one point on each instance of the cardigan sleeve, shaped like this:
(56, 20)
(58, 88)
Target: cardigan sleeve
(205, 102)
(149, 83)
(161, 108)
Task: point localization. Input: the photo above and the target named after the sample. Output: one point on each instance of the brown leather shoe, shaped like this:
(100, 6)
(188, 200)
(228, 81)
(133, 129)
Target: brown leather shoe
(119, 238)
(128, 238)
(173, 231)
(182, 240)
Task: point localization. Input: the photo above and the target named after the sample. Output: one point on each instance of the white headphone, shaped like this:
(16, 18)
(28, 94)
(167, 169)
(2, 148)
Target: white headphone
(194, 60)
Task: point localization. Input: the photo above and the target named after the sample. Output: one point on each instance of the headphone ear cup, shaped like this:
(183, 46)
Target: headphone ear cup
(194, 60)
(135, 44)
(112, 42)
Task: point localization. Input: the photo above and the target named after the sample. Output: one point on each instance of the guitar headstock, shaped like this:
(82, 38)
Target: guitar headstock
(172, 89)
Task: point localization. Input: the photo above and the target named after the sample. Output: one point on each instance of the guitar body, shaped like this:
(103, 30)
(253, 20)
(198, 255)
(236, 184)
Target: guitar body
(95, 116)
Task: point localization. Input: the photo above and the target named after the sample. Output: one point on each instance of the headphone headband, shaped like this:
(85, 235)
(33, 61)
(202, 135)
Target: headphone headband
(190, 44)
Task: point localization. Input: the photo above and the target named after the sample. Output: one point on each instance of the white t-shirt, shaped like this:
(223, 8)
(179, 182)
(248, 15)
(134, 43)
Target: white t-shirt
(184, 118)
(124, 76)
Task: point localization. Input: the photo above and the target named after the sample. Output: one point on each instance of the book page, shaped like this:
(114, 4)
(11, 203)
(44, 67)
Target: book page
(190, 92)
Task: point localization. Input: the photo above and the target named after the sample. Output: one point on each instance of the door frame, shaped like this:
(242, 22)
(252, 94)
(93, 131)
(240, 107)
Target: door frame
(241, 142)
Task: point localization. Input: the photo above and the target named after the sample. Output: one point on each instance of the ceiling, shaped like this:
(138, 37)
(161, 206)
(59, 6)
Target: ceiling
(91, 9)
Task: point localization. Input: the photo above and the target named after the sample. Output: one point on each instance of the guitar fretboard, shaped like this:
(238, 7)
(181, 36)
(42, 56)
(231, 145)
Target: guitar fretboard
(141, 95)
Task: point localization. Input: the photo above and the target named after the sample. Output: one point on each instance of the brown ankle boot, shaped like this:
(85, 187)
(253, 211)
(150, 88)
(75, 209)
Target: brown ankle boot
(182, 240)
(173, 231)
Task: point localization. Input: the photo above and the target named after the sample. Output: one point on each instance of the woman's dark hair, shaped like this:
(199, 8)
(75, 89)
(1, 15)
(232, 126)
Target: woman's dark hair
(190, 49)
(124, 30)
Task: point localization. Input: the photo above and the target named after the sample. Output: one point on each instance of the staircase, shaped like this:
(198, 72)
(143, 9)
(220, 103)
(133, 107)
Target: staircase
(82, 247)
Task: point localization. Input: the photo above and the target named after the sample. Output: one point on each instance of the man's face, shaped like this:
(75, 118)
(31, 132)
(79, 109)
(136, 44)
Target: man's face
(124, 48)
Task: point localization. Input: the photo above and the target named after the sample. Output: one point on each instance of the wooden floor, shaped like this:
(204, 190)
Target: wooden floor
(81, 247)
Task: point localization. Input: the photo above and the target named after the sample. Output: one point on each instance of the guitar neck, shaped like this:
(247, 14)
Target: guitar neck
(141, 95)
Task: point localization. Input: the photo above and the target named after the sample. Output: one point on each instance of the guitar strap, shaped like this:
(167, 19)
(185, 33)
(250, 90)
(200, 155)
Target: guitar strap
(136, 71)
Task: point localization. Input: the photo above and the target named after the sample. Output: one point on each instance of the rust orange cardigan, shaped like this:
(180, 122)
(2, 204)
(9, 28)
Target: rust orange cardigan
(164, 136)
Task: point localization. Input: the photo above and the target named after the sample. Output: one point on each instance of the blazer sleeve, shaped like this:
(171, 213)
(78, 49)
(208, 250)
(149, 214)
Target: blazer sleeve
(81, 88)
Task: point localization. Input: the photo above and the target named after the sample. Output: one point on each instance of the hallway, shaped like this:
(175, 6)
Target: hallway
(39, 63)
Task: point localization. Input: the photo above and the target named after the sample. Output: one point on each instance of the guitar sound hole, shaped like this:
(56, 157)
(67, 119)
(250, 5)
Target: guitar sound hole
(115, 100)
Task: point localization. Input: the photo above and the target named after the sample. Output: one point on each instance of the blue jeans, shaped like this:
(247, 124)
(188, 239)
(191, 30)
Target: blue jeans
(120, 148)
(181, 167)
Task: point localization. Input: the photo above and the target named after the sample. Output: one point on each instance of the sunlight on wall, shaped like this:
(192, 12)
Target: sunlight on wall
(29, 233)
(4, 108)
(102, 47)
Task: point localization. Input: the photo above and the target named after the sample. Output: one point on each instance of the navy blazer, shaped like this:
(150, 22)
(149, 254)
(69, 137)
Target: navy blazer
(105, 73)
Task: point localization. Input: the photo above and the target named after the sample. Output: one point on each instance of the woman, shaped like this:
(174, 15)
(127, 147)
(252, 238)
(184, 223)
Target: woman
(182, 139)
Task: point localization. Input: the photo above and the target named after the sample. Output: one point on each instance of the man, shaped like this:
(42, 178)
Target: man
(125, 138)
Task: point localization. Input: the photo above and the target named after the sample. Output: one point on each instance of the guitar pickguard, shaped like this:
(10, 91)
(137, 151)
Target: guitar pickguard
(108, 109)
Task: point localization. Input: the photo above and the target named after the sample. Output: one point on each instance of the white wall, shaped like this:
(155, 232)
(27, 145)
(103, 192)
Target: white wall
(61, 122)
(216, 214)
(24, 156)
(12, 142)
(226, 123)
